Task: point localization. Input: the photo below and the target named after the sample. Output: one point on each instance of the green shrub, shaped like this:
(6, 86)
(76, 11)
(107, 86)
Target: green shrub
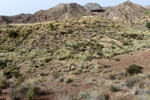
(3, 81)
(9, 26)
(48, 59)
(106, 66)
(147, 12)
(56, 75)
(12, 92)
(112, 77)
(125, 43)
(29, 88)
(10, 71)
(113, 88)
(68, 80)
(2, 64)
(30, 94)
(51, 26)
(85, 96)
(148, 25)
(83, 22)
(13, 34)
(94, 95)
(117, 59)
(134, 69)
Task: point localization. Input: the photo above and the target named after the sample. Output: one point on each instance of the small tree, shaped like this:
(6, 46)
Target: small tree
(51, 26)
(2, 64)
(113, 88)
(148, 25)
(134, 69)
(13, 34)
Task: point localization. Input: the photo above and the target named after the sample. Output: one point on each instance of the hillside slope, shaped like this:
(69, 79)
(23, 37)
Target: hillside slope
(61, 11)
(69, 57)
(147, 7)
(125, 11)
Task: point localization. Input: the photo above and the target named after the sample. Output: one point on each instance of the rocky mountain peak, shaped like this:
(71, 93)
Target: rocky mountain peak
(92, 6)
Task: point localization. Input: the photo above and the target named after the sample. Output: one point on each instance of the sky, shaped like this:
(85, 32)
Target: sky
(14, 7)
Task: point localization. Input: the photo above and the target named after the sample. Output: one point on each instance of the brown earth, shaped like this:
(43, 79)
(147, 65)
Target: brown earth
(54, 90)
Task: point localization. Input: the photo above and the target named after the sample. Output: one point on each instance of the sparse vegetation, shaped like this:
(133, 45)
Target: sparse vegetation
(29, 88)
(72, 55)
(132, 81)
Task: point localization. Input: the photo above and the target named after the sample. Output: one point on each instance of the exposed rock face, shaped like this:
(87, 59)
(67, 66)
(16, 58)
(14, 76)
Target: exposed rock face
(61, 11)
(92, 6)
(2, 19)
(126, 10)
(147, 7)
(13, 19)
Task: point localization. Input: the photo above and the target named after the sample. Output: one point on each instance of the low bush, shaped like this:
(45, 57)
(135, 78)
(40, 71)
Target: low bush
(30, 94)
(113, 88)
(117, 59)
(3, 81)
(51, 26)
(30, 88)
(106, 66)
(13, 34)
(48, 59)
(56, 75)
(132, 81)
(2, 64)
(148, 25)
(10, 72)
(112, 77)
(134, 69)
(94, 95)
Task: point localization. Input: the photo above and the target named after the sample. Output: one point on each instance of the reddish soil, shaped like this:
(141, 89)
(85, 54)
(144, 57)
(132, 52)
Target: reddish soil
(54, 89)
(138, 57)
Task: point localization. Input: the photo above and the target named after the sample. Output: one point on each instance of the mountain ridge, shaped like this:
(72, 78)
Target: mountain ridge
(60, 11)
(92, 6)
(126, 10)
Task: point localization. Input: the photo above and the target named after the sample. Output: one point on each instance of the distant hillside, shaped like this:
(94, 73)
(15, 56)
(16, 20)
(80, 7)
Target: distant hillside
(61, 11)
(13, 19)
(147, 7)
(92, 6)
(126, 10)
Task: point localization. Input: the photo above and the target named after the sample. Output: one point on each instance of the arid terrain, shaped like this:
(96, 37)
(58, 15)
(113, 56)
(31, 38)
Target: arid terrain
(103, 57)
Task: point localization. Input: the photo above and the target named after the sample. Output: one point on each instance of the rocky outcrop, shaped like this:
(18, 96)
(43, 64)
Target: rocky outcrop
(61, 11)
(13, 19)
(92, 6)
(147, 7)
(125, 11)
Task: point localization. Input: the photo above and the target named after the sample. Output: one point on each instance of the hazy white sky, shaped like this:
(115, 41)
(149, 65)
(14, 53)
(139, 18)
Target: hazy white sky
(13, 7)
